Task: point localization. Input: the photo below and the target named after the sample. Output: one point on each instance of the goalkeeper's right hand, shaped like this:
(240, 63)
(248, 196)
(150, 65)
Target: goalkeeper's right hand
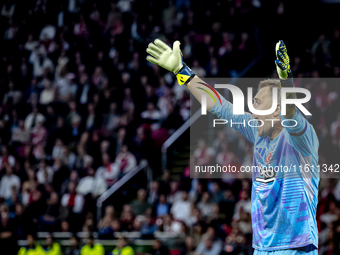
(282, 61)
(170, 59)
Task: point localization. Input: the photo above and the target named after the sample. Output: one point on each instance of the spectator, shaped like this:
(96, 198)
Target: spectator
(111, 119)
(20, 136)
(80, 28)
(41, 63)
(58, 149)
(13, 96)
(92, 120)
(203, 153)
(121, 140)
(30, 45)
(109, 171)
(174, 194)
(89, 224)
(48, 32)
(123, 247)
(159, 248)
(7, 183)
(39, 138)
(153, 192)
(205, 205)
(45, 173)
(209, 247)
(125, 160)
(75, 128)
(244, 203)
(62, 84)
(72, 205)
(60, 130)
(116, 227)
(197, 69)
(335, 126)
(6, 158)
(47, 95)
(148, 228)
(31, 247)
(105, 230)
(52, 248)
(91, 248)
(91, 184)
(34, 197)
(49, 220)
(85, 92)
(181, 209)
(74, 248)
(162, 208)
(7, 234)
(151, 115)
(8, 9)
(19, 220)
(209, 244)
(72, 112)
(74, 177)
(32, 118)
(170, 225)
(27, 185)
(127, 218)
(140, 205)
(332, 214)
(217, 195)
(189, 246)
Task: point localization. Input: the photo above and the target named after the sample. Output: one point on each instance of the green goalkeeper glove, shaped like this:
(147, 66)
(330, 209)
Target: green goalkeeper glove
(170, 59)
(282, 61)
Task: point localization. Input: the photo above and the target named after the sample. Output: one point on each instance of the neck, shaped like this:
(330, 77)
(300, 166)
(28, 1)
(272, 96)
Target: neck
(275, 133)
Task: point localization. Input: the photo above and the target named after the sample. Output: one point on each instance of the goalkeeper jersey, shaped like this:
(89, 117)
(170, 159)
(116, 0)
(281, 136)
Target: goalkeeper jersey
(285, 186)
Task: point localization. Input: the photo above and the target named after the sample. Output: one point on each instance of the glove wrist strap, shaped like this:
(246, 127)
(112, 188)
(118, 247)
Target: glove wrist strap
(288, 82)
(185, 75)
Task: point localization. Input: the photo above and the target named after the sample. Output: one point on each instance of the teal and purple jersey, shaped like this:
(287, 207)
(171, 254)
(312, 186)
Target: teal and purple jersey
(285, 186)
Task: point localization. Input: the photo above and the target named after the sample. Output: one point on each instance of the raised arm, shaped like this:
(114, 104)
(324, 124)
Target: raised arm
(302, 132)
(285, 74)
(171, 60)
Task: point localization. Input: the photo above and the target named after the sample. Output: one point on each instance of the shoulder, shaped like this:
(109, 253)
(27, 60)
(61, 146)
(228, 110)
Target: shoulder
(39, 247)
(85, 247)
(56, 245)
(98, 246)
(128, 250)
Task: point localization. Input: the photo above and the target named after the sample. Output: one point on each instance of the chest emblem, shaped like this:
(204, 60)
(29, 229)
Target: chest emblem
(269, 157)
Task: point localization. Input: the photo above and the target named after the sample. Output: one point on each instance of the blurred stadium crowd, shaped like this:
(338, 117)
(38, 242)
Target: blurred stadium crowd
(81, 107)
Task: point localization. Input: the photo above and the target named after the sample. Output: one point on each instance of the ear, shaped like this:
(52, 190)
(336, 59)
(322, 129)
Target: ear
(277, 111)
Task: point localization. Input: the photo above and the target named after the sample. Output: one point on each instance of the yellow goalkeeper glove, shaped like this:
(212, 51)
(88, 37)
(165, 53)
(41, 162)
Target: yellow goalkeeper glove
(170, 59)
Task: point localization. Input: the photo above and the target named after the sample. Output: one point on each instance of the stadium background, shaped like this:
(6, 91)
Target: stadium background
(81, 108)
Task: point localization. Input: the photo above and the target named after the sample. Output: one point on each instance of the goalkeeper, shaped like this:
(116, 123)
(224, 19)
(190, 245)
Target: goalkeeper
(283, 205)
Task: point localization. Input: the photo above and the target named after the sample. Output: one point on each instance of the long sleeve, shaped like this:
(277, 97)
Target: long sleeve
(302, 133)
(237, 122)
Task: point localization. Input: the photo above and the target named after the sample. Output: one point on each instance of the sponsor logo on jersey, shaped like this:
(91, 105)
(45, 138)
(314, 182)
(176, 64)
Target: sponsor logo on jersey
(269, 157)
(260, 151)
(267, 174)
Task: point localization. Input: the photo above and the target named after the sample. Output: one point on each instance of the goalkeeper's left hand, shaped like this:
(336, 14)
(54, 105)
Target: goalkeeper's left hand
(282, 61)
